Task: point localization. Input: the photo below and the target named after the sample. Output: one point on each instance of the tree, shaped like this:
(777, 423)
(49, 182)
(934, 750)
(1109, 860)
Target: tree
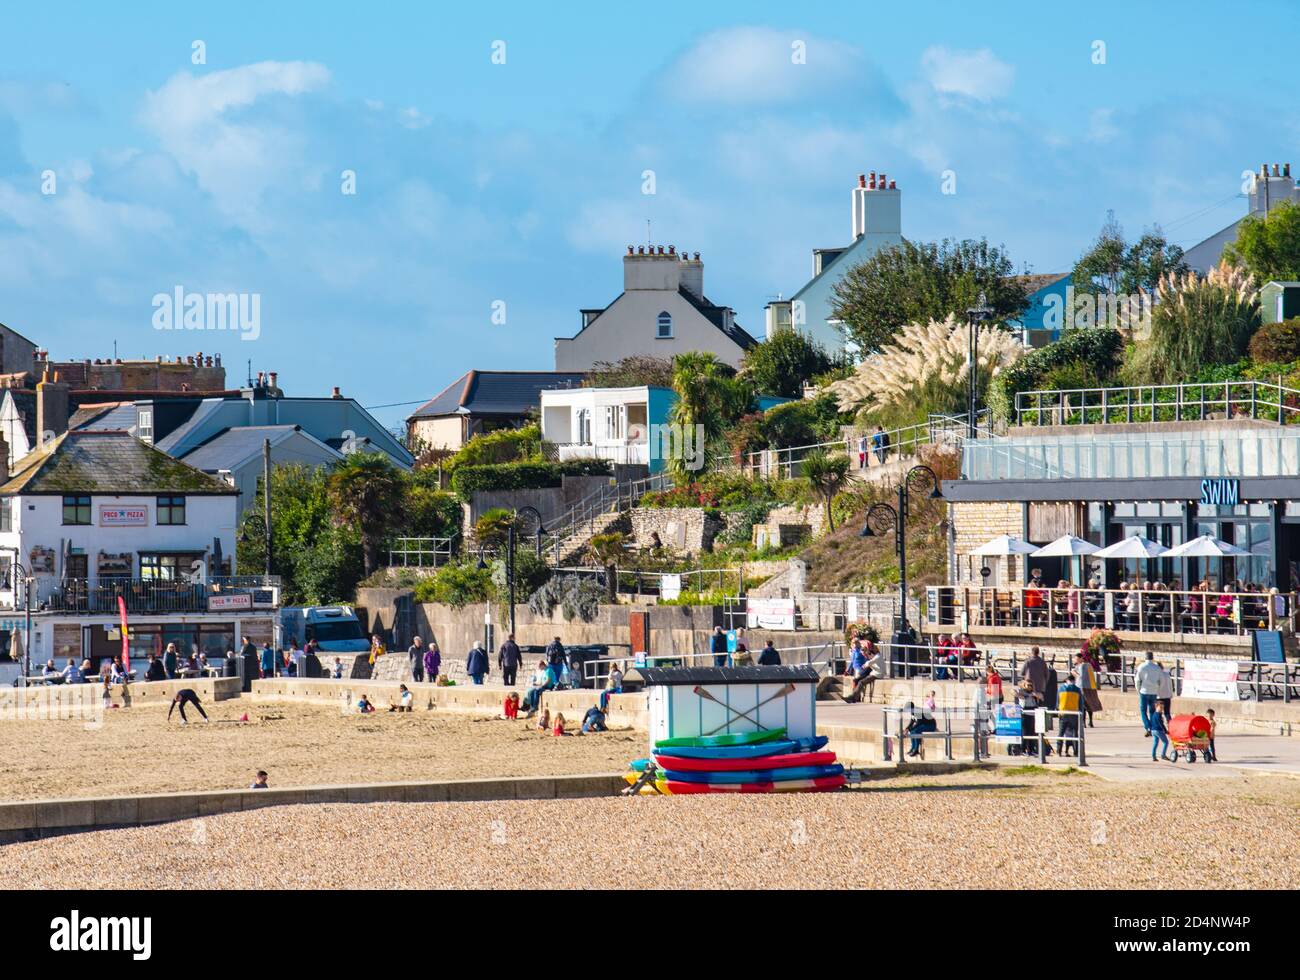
(917, 283)
(1110, 266)
(826, 474)
(366, 493)
(706, 395)
(1268, 245)
(1197, 323)
(608, 550)
(631, 372)
(781, 365)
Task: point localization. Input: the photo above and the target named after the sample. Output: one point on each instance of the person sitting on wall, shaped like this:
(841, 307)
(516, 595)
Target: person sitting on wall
(155, 671)
(542, 680)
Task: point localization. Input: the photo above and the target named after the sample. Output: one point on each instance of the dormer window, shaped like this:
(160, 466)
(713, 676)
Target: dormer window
(144, 425)
(664, 326)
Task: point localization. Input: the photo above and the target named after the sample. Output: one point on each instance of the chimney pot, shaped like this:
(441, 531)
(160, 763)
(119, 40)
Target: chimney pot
(672, 249)
(629, 250)
(697, 256)
(893, 186)
(862, 180)
(336, 392)
(640, 250)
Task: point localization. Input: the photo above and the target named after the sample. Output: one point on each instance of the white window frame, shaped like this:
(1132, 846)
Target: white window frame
(659, 326)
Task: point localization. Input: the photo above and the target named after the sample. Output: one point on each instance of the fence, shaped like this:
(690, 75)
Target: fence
(1159, 403)
(826, 657)
(830, 611)
(1148, 611)
(163, 595)
(420, 552)
(1257, 680)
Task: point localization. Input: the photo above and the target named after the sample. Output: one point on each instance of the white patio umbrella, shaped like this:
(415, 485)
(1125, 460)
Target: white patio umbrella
(1135, 547)
(1003, 545)
(1206, 546)
(1066, 546)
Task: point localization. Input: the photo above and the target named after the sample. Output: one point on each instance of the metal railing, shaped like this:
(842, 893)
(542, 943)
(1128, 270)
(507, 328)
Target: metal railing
(580, 519)
(896, 443)
(1257, 680)
(220, 594)
(1150, 611)
(625, 453)
(420, 552)
(1159, 403)
(830, 611)
(824, 656)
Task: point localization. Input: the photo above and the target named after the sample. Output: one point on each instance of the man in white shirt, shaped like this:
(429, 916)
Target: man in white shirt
(1148, 685)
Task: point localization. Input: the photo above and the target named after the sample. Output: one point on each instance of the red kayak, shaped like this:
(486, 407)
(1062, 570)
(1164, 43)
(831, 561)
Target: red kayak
(679, 764)
(822, 784)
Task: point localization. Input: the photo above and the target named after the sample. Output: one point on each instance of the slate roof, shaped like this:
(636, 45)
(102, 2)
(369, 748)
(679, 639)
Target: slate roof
(495, 393)
(111, 416)
(679, 676)
(1035, 281)
(86, 461)
(714, 314)
(236, 445)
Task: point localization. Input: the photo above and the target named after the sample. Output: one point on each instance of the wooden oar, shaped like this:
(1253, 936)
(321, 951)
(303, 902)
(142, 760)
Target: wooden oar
(785, 691)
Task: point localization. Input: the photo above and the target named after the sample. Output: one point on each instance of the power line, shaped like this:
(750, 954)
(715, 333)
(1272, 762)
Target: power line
(418, 401)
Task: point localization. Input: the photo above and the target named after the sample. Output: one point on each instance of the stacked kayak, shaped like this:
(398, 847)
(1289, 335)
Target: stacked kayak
(758, 762)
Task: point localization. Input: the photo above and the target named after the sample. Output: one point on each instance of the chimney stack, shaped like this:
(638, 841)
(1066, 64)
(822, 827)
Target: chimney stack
(336, 392)
(874, 211)
(51, 408)
(4, 458)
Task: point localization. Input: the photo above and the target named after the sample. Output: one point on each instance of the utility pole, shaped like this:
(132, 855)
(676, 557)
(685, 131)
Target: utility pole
(266, 498)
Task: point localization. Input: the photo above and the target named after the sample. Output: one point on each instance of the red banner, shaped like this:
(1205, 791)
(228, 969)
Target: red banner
(126, 639)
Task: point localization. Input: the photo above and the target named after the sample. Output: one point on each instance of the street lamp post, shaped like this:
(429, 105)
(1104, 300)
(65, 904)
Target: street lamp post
(976, 314)
(882, 518)
(534, 515)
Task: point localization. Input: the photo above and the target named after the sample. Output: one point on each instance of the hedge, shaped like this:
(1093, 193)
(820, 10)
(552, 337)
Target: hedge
(521, 476)
(1098, 347)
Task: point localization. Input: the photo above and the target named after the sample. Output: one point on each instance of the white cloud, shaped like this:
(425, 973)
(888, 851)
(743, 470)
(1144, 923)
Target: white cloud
(756, 65)
(1101, 125)
(204, 123)
(973, 74)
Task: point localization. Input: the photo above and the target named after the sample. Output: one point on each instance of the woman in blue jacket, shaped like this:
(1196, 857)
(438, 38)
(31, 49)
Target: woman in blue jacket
(476, 664)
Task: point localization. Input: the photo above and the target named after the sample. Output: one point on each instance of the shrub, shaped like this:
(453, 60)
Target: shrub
(577, 596)
(456, 586)
(803, 423)
(522, 476)
(502, 446)
(864, 630)
(531, 573)
(1099, 347)
(1278, 341)
(491, 527)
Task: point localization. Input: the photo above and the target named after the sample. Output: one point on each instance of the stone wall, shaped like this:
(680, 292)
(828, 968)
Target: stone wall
(553, 502)
(681, 530)
(976, 523)
(790, 525)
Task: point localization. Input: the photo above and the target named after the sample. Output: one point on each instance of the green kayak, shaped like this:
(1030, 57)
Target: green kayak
(715, 741)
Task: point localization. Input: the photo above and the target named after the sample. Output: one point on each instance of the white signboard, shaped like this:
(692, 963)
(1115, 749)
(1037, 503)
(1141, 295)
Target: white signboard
(123, 516)
(1214, 680)
(851, 609)
(670, 586)
(769, 614)
(236, 600)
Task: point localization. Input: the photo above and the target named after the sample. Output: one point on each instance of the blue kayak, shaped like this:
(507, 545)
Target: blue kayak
(749, 751)
(756, 776)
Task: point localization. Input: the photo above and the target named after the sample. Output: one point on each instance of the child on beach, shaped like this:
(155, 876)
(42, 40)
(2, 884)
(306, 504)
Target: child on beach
(1209, 713)
(364, 706)
(559, 725)
(544, 720)
(1159, 736)
(512, 706)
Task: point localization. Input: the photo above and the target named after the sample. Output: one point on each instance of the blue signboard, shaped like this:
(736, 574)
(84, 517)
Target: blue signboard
(1225, 492)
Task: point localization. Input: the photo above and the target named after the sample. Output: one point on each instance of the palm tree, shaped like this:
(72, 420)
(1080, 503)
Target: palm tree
(826, 474)
(367, 492)
(705, 393)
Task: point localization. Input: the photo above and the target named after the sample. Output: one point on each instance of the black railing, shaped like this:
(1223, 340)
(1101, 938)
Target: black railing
(227, 594)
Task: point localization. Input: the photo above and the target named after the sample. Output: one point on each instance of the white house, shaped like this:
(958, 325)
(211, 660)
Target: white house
(93, 517)
(877, 222)
(605, 423)
(661, 312)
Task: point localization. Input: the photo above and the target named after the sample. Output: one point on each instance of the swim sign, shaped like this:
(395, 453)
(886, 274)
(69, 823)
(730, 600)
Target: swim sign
(1226, 492)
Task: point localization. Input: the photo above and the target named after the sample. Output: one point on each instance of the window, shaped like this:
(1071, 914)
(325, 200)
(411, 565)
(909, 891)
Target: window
(584, 426)
(76, 510)
(171, 510)
(167, 568)
(614, 416)
(665, 326)
(6, 514)
(144, 425)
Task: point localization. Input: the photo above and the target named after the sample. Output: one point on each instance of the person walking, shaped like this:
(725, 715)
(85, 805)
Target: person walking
(432, 662)
(476, 664)
(862, 451)
(1148, 685)
(1069, 701)
(1166, 693)
(878, 444)
(1034, 670)
(993, 685)
(768, 656)
(267, 662)
(415, 654)
(1159, 734)
(555, 656)
(1087, 680)
(718, 647)
(509, 659)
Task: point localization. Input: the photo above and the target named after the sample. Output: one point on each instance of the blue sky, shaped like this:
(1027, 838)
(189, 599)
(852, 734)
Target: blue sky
(522, 182)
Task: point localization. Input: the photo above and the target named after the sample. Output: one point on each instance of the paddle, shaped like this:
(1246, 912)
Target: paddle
(785, 691)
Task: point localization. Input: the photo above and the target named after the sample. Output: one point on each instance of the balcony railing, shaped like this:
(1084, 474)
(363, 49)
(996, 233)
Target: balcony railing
(628, 453)
(1160, 403)
(1080, 610)
(230, 594)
